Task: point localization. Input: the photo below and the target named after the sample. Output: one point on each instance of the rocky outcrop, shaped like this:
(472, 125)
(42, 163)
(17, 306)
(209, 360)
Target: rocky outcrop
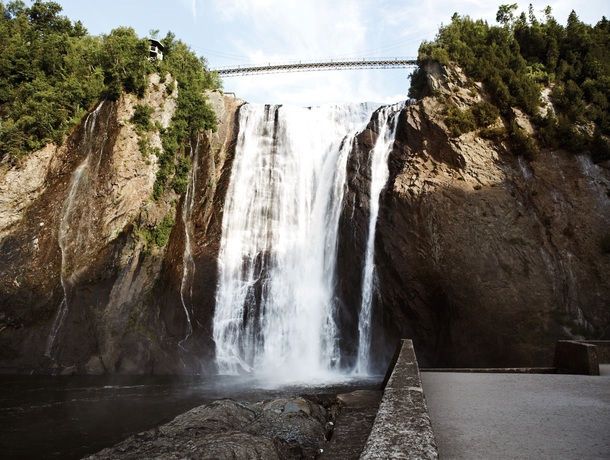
(291, 428)
(485, 258)
(81, 289)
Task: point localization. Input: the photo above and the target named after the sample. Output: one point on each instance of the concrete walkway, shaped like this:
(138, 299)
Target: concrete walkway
(501, 416)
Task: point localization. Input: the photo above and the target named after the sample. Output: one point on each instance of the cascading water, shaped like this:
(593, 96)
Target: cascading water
(72, 223)
(387, 121)
(275, 298)
(188, 264)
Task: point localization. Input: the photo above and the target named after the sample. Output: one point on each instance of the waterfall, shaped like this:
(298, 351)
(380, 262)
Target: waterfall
(275, 296)
(73, 224)
(188, 264)
(386, 128)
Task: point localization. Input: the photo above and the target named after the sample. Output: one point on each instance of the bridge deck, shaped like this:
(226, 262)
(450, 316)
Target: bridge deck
(378, 63)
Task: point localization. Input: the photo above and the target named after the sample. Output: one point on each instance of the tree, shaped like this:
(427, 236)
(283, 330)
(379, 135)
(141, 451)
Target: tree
(52, 73)
(514, 60)
(505, 14)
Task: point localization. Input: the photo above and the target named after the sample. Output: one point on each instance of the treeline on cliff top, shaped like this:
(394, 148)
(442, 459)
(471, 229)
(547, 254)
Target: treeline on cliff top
(518, 58)
(52, 72)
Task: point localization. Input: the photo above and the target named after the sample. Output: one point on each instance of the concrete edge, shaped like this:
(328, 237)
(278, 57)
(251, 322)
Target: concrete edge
(574, 357)
(603, 349)
(493, 370)
(402, 427)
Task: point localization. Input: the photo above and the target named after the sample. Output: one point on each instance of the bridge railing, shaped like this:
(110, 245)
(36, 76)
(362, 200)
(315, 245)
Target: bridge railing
(309, 66)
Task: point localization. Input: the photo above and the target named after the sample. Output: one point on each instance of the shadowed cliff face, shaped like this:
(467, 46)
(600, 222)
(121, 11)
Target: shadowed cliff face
(80, 290)
(483, 258)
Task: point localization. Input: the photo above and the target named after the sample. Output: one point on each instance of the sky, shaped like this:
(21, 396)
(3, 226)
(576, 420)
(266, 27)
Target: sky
(234, 32)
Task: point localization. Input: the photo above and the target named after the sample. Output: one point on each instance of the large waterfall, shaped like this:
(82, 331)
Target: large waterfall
(275, 301)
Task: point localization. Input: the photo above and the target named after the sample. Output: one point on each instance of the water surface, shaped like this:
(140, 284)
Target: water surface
(69, 417)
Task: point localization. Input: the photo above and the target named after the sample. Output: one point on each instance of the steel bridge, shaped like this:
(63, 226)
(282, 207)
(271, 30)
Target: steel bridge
(338, 64)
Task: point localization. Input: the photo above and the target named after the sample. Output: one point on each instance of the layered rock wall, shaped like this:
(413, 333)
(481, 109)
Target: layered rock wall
(81, 290)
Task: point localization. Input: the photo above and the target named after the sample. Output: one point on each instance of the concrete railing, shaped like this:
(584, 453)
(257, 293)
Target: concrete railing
(603, 349)
(574, 357)
(402, 427)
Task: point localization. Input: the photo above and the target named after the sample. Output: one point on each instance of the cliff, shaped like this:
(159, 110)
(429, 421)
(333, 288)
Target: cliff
(486, 258)
(87, 283)
(483, 257)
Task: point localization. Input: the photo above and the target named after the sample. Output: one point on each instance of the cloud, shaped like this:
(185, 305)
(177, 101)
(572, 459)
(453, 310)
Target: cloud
(271, 31)
(281, 30)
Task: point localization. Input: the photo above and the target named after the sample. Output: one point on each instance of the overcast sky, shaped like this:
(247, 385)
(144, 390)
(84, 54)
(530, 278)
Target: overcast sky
(229, 32)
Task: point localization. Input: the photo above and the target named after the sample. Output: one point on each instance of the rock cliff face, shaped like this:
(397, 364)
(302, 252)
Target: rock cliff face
(484, 258)
(80, 288)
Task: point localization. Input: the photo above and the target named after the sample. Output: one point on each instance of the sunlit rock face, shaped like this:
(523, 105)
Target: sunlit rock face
(80, 291)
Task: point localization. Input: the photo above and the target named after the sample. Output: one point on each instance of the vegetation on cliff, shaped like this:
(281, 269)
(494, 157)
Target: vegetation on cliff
(520, 57)
(52, 72)
(192, 114)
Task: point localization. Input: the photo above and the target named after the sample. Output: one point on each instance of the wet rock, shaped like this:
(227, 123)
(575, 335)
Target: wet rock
(226, 429)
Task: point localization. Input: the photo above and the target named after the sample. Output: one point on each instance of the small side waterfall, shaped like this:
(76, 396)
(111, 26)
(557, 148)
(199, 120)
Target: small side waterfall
(73, 226)
(188, 264)
(275, 298)
(386, 127)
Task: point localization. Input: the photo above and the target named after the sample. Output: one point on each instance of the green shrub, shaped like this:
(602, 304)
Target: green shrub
(181, 176)
(141, 117)
(485, 113)
(522, 144)
(419, 83)
(157, 235)
(496, 134)
(514, 59)
(459, 121)
(52, 73)
(192, 114)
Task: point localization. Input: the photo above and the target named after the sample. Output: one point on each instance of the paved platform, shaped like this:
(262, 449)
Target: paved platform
(501, 416)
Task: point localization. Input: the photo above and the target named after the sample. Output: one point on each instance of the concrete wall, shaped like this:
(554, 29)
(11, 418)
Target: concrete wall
(603, 350)
(573, 357)
(402, 427)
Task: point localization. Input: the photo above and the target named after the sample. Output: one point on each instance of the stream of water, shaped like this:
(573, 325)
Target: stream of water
(72, 227)
(276, 300)
(387, 122)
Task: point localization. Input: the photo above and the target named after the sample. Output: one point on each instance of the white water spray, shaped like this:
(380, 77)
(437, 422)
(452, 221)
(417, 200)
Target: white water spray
(386, 124)
(275, 298)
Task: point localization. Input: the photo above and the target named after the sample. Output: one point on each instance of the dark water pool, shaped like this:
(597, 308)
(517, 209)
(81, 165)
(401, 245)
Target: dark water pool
(69, 417)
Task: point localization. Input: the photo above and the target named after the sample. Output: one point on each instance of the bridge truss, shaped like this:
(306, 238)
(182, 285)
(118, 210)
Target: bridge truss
(340, 64)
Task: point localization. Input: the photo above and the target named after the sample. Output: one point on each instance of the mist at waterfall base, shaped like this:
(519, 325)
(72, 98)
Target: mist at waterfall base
(276, 305)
